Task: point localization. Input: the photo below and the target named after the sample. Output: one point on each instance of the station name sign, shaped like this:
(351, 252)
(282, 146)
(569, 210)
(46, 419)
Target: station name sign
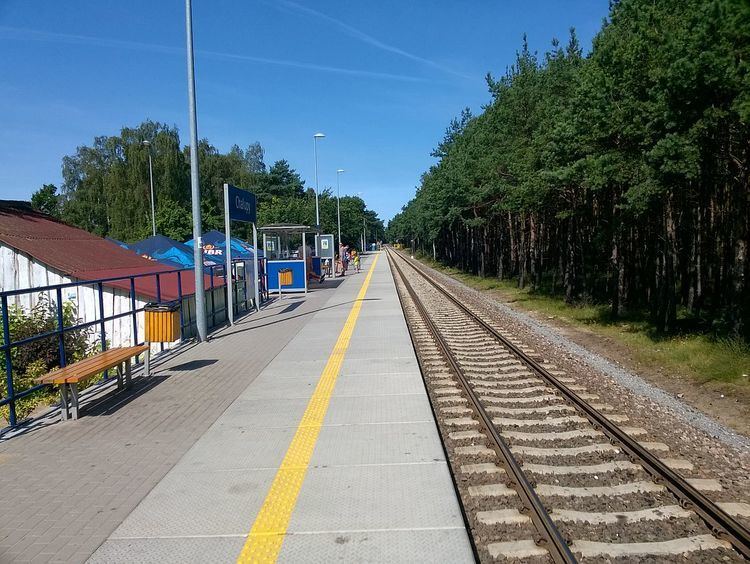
(242, 206)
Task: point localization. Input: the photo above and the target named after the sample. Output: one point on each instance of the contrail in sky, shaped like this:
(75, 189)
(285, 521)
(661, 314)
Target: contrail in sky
(51, 37)
(362, 36)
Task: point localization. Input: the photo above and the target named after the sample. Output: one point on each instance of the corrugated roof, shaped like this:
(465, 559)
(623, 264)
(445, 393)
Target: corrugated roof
(83, 255)
(68, 249)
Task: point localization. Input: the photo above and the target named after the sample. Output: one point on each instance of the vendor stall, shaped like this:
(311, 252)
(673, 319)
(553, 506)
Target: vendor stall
(290, 274)
(172, 253)
(242, 255)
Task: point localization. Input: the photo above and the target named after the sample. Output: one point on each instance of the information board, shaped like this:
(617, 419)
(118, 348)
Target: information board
(241, 204)
(324, 246)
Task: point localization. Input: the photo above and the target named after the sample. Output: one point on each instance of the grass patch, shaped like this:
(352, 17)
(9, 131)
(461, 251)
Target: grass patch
(696, 355)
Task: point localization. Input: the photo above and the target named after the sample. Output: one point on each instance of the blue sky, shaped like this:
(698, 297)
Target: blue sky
(380, 79)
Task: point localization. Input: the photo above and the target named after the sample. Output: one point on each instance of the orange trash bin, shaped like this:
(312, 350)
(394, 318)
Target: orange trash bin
(162, 322)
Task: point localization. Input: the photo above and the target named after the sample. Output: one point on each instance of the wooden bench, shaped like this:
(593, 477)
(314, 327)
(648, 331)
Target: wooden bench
(70, 376)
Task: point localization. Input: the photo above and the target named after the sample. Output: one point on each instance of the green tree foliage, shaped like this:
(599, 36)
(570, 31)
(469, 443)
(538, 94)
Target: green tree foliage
(620, 177)
(46, 200)
(106, 189)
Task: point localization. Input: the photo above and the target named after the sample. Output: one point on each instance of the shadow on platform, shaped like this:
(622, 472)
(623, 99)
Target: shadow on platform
(274, 322)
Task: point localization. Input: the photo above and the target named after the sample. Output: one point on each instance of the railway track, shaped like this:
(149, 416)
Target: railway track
(544, 469)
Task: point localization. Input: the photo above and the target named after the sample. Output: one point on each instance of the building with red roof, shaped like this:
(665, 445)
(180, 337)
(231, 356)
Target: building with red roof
(38, 250)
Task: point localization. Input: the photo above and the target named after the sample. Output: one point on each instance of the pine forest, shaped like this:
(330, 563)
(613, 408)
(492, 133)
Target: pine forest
(618, 176)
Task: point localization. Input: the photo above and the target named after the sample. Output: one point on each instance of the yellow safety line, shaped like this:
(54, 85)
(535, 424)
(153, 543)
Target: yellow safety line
(265, 538)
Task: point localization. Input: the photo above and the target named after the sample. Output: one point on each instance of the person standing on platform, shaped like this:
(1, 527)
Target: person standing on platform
(355, 258)
(345, 258)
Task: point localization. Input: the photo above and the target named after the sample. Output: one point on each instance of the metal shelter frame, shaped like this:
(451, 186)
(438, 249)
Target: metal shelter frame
(287, 230)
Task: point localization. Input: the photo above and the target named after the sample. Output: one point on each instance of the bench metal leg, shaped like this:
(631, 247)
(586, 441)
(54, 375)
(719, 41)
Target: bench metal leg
(147, 362)
(73, 388)
(119, 377)
(64, 407)
(128, 373)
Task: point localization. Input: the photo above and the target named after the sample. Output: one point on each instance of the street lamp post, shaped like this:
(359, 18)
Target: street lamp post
(317, 189)
(151, 179)
(338, 201)
(201, 322)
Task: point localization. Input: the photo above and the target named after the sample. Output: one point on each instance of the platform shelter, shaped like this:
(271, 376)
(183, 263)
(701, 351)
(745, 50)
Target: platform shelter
(294, 263)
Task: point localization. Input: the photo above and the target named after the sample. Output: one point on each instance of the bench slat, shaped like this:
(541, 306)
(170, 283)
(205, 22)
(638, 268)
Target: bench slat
(92, 365)
(97, 364)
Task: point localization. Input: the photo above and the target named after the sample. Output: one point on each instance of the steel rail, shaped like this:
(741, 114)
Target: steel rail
(721, 524)
(423, 370)
(552, 539)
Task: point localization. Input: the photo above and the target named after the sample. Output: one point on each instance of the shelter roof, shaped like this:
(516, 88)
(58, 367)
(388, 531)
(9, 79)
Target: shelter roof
(288, 228)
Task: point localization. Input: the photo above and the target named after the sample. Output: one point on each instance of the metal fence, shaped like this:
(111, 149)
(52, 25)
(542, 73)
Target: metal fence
(123, 291)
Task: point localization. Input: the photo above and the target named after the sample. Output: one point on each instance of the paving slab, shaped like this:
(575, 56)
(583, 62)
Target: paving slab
(376, 497)
(393, 546)
(377, 487)
(362, 410)
(182, 549)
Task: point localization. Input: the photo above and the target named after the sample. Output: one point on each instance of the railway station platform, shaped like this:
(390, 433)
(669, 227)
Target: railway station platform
(323, 448)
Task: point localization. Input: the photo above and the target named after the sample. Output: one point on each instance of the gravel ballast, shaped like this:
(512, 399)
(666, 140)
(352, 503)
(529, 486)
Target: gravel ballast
(675, 430)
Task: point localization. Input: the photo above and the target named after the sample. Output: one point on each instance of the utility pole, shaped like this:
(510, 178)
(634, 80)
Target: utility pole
(151, 180)
(338, 207)
(317, 188)
(195, 190)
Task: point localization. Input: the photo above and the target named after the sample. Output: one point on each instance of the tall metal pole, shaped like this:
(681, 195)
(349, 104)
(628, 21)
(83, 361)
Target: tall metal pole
(146, 143)
(256, 286)
(228, 277)
(317, 188)
(338, 202)
(195, 190)
(304, 262)
(153, 205)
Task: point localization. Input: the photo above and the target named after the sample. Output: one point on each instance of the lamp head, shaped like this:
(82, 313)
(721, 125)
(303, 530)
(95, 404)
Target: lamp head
(146, 142)
(319, 135)
(339, 171)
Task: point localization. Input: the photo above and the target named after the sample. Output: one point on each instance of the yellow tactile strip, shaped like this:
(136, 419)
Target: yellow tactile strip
(267, 534)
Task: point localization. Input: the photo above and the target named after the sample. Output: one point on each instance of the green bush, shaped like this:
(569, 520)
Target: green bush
(35, 359)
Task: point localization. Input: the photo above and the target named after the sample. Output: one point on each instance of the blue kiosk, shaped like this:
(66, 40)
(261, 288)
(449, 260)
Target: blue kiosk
(290, 267)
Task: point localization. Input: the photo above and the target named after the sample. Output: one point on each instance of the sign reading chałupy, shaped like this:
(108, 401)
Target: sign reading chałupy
(241, 205)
